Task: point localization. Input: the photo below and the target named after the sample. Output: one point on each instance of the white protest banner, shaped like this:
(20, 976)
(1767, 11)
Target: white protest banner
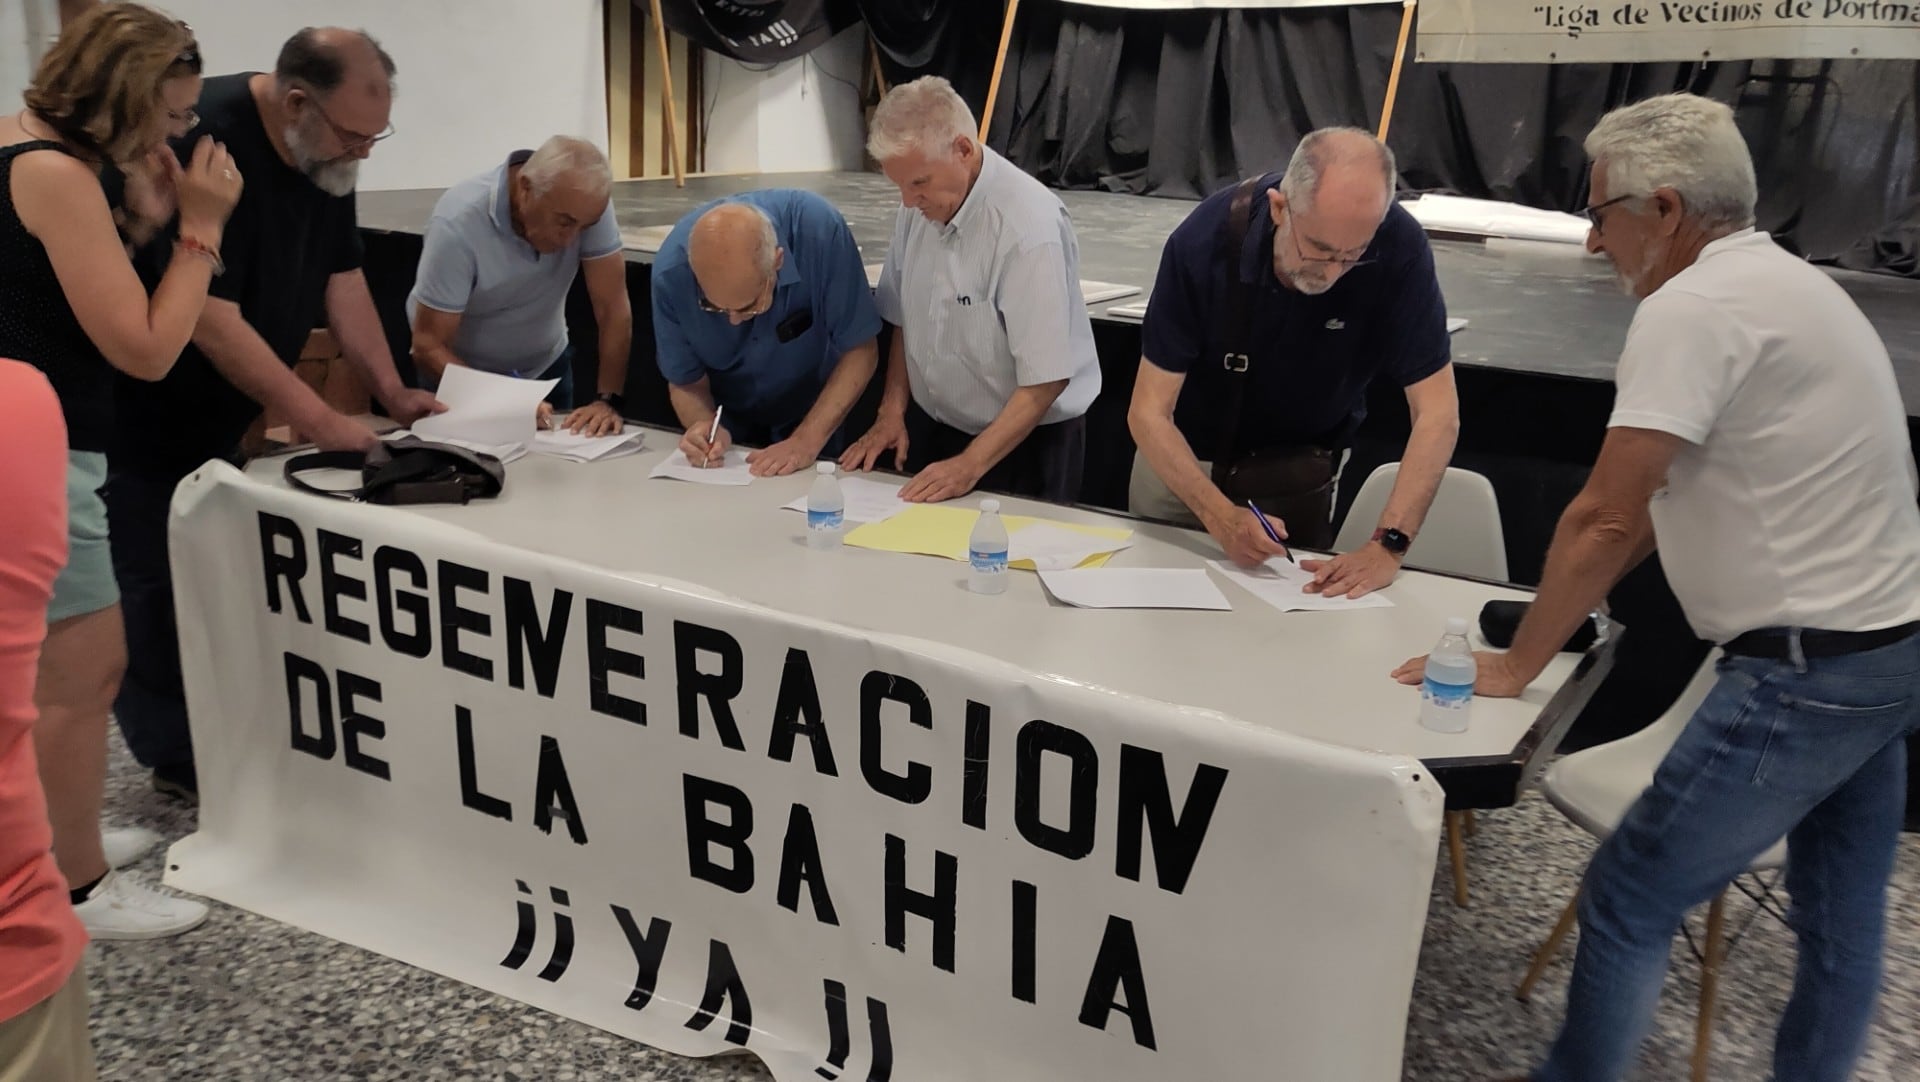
(710, 826)
(1637, 30)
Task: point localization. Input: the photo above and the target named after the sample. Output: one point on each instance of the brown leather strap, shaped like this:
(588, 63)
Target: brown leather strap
(1236, 333)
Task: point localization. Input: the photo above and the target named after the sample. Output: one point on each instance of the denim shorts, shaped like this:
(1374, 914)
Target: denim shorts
(86, 584)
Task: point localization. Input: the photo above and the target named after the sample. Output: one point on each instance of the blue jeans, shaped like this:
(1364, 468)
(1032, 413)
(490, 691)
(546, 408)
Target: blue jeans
(1813, 752)
(561, 397)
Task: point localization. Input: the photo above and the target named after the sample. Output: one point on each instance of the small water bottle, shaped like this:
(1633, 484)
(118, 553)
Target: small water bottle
(987, 551)
(1446, 695)
(826, 509)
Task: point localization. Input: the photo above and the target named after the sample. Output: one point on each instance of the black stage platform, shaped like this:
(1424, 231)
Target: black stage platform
(1535, 366)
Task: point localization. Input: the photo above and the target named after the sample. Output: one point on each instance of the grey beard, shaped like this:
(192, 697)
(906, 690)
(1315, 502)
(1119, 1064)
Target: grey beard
(335, 177)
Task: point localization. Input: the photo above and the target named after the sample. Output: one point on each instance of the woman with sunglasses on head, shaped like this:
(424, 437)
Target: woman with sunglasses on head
(120, 81)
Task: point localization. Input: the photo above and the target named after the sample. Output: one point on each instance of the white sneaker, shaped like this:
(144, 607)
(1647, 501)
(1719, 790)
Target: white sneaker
(127, 845)
(121, 908)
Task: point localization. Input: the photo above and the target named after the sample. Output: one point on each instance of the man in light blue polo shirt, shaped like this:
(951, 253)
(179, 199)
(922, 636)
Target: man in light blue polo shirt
(761, 311)
(500, 255)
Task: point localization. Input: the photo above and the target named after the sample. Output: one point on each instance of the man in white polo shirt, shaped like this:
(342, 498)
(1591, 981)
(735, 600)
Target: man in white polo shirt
(992, 365)
(1758, 437)
(501, 252)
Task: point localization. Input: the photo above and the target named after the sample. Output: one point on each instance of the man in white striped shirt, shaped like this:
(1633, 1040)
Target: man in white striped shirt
(992, 364)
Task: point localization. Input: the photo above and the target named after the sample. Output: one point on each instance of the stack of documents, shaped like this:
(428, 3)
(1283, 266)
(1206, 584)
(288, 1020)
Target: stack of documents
(644, 238)
(867, 501)
(577, 448)
(1282, 585)
(1493, 218)
(484, 408)
(940, 530)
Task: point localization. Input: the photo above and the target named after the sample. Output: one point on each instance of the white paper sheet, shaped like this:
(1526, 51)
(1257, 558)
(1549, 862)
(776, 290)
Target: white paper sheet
(1493, 218)
(1135, 310)
(733, 472)
(577, 448)
(873, 274)
(1054, 549)
(1135, 588)
(484, 408)
(1280, 584)
(1454, 323)
(867, 501)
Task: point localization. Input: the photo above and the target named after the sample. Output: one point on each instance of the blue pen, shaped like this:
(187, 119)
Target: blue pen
(1268, 526)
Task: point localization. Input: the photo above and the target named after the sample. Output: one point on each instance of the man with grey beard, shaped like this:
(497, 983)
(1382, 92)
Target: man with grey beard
(289, 262)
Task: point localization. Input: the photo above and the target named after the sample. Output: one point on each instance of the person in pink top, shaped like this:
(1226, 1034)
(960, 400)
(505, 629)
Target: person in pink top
(43, 990)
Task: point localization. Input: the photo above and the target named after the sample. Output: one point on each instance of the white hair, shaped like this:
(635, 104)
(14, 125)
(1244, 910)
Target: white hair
(1684, 142)
(565, 156)
(926, 115)
(1325, 147)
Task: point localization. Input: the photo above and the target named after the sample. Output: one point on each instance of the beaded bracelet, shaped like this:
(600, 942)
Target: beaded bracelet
(204, 251)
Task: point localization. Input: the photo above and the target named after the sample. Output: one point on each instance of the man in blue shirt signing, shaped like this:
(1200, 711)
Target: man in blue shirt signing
(762, 312)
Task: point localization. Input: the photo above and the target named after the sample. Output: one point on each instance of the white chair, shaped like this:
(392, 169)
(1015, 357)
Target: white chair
(1461, 536)
(1594, 788)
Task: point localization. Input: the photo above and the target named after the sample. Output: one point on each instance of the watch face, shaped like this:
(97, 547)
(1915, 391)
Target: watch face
(1394, 541)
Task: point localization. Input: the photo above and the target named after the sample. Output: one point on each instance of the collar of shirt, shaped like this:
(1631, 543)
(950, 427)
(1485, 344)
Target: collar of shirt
(969, 207)
(502, 198)
(1731, 240)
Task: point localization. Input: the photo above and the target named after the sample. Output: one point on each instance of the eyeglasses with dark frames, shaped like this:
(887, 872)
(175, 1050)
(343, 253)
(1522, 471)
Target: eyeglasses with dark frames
(351, 141)
(1322, 260)
(1597, 218)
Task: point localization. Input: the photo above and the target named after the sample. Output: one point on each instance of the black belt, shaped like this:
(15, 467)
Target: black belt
(1776, 643)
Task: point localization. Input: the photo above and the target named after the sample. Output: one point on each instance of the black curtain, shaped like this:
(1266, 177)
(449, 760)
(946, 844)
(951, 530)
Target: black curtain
(1180, 104)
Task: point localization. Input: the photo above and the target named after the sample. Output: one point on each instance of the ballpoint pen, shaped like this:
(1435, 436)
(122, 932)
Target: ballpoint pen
(712, 433)
(1268, 526)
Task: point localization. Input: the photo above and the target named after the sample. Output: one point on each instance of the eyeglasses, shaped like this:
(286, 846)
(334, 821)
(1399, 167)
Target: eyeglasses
(758, 305)
(184, 117)
(350, 140)
(1594, 215)
(1322, 260)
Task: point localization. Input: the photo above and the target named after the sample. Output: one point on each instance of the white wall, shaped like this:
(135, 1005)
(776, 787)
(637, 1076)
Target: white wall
(478, 78)
(794, 117)
(20, 22)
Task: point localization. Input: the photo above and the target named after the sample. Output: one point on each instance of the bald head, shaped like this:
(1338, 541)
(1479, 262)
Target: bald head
(1340, 170)
(734, 254)
(326, 60)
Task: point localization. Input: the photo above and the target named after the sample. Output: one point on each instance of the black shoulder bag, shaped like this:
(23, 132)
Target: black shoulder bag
(405, 471)
(1292, 483)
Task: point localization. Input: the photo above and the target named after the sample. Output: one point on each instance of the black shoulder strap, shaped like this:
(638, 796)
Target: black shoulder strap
(1237, 331)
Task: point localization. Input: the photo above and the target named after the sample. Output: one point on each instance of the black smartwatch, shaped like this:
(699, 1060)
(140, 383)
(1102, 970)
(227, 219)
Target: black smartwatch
(615, 399)
(1394, 541)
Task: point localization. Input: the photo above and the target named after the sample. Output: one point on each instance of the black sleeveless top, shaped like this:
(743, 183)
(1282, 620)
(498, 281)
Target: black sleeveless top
(37, 324)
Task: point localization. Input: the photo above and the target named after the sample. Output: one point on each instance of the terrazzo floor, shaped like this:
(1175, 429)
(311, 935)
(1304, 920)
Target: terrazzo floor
(244, 998)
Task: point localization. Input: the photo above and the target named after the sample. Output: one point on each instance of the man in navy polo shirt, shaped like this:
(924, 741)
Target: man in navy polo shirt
(1340, 292)
(761, 311)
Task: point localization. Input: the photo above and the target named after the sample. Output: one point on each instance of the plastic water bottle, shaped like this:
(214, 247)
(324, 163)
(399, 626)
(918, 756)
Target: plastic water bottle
(826, 509)
(987, 551)
(1446, 695)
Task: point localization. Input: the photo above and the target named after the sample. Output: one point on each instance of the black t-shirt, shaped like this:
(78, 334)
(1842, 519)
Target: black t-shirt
(1310, 359)
(285, 240)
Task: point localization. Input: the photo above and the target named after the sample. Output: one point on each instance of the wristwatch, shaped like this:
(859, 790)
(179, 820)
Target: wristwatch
(615, 399)
(1394, 541)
